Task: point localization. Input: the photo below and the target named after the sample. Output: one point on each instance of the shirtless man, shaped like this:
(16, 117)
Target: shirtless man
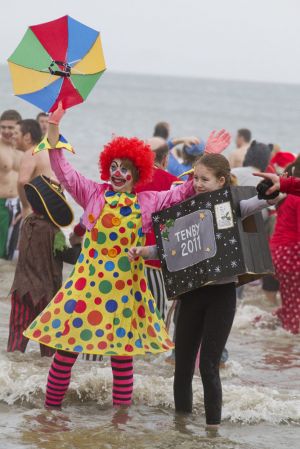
(9, 167)
(42, 119)
(237, 156)
(27, 135)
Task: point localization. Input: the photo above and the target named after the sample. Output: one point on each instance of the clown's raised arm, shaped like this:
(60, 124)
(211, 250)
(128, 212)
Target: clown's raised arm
(79, 187)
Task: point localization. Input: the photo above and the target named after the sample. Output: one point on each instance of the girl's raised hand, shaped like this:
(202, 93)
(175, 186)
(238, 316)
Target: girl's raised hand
(217, 141)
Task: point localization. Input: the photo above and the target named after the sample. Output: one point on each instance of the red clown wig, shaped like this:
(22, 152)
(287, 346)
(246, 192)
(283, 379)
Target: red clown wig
(133, 149)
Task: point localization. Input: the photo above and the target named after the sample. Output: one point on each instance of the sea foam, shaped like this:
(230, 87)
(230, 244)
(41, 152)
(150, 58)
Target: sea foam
(25, 383)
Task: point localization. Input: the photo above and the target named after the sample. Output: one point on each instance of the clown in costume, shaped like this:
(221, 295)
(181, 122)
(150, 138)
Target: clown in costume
(105, 306)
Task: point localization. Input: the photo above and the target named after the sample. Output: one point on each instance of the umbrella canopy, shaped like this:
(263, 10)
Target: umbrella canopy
(57, 61)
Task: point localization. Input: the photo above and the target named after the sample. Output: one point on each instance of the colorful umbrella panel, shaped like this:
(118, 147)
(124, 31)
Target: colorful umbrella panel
(57, 61)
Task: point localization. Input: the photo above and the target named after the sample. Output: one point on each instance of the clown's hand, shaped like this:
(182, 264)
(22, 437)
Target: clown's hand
(56, 116)
(146, 252)
(135, 252)
(53, 139)
(53, 130)
(217, 141)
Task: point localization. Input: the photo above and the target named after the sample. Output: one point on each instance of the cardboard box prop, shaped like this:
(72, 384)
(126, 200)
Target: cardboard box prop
(204, 239)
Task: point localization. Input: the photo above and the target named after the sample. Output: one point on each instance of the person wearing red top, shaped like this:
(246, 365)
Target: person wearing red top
(285, 248)
(290, 185)
(161, 180)
(278, 163)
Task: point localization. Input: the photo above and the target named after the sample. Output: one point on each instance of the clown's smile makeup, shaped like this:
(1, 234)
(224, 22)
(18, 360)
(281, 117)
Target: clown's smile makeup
(120, 176)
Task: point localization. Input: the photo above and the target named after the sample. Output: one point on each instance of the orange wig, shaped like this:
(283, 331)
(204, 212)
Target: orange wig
(133, 149)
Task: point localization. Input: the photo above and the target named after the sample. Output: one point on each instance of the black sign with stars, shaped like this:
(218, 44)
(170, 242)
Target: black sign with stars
(201, 240)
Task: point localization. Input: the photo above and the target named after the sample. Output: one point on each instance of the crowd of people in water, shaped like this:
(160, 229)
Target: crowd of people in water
(114, 301)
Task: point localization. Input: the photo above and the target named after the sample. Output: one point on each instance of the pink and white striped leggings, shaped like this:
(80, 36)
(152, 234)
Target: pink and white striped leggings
(60, 375)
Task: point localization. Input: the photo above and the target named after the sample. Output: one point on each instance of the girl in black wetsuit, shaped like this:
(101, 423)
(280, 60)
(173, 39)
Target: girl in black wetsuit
(205, 314)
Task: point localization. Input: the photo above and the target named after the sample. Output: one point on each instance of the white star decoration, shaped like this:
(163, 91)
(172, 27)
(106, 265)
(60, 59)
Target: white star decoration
(156, 219)
(178, 214)
(217, 269)
(219, 235)
(225, 193)
(208, 204)
(193, 202)
(232, 241)
(233, 263)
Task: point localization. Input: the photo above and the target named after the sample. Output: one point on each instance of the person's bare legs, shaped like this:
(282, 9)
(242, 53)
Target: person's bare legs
(270, 298)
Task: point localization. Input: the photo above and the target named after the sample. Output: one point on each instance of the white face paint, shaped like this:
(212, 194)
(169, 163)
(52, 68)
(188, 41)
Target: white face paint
(121, 177)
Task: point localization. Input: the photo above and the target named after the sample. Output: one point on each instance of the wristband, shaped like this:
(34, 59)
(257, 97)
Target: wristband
(79, 230)
(45, 145)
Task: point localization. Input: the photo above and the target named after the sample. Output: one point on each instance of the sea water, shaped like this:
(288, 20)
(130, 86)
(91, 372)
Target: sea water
(261, 382)
(261, 395)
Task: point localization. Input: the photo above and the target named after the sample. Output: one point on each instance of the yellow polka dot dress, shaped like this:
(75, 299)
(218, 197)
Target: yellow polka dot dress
(105, 306)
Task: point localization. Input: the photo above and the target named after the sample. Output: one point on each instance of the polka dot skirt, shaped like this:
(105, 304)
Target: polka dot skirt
(286, 260)
(105, 306)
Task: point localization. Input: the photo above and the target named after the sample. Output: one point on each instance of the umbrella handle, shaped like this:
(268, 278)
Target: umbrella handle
(65, 72)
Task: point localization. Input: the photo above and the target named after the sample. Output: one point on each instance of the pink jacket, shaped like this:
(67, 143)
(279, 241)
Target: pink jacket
(90, 194)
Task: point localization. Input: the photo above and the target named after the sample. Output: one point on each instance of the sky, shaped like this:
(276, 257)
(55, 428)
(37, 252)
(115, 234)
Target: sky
(254, 40)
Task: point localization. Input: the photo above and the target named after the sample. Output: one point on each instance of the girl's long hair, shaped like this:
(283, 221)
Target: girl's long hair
(219, 165)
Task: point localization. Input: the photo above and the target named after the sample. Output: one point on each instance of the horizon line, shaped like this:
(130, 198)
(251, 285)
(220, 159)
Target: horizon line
(194, 77)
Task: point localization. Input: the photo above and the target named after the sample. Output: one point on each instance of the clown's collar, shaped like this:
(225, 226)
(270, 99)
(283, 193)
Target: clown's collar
(119, 198)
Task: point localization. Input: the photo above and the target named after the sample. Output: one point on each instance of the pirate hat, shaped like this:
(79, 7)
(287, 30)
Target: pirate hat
(47, 198)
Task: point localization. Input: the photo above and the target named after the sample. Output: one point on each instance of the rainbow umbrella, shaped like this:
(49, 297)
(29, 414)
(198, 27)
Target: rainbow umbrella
(57, 61)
